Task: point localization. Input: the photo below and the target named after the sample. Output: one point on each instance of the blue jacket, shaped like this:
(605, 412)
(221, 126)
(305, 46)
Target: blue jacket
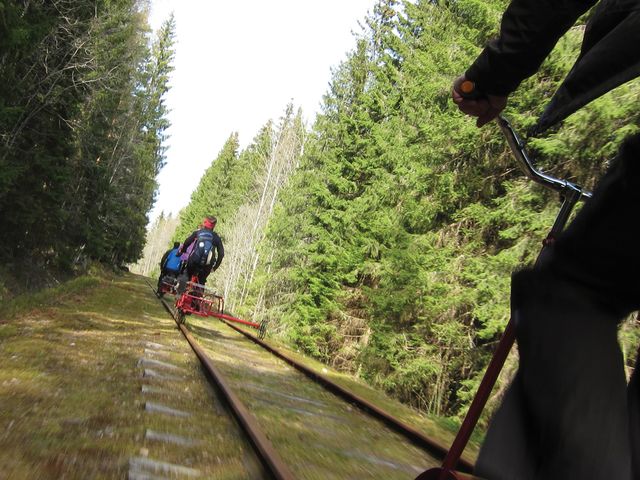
(172, 261)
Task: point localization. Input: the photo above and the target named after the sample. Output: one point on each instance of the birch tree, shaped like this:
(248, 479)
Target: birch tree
(158, 241)
(276, 163)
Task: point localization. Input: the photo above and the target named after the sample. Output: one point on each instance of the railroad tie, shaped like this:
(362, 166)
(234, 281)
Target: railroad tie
(158, 408)
(134, 475)
(156, 346)
(162, 353)
(156, 390)
(144, 466)
(151, 373)
(170, 438)
(150, 362)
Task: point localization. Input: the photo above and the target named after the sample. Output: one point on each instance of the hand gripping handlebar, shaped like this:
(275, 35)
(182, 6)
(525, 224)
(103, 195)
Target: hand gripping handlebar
(467, 89)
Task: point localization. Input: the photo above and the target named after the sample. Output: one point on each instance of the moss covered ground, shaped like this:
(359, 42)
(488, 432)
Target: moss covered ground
(441, 429)
(71, 404)
(319, 435)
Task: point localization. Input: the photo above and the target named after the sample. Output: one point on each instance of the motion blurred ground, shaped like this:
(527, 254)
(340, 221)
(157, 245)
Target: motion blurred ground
(70, 380)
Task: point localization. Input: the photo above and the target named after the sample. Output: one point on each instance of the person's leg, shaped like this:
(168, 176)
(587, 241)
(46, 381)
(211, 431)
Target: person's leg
(633, 398)
(160, 280)
(565, 414)
(171, 278)
(572, 377)
(571, 398)
(204, 274)
(183, 278)
(507, 451)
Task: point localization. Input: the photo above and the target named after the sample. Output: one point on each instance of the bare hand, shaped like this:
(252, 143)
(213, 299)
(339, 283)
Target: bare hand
(485, 107)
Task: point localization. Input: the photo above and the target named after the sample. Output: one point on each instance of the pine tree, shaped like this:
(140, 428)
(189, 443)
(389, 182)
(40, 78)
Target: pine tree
(391, 248)
(82, 125)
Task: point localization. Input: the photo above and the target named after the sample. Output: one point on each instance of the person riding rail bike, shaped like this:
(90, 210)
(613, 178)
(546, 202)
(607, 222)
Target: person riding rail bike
(204, 251)
(169, 265)
(569, 412)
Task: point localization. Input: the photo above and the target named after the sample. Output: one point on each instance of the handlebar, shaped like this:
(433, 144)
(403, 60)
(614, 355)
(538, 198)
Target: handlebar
(564, 187)
(467, 89)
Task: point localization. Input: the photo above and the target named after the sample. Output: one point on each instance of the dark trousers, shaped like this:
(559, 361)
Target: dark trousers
(569, 413)
(201, 272)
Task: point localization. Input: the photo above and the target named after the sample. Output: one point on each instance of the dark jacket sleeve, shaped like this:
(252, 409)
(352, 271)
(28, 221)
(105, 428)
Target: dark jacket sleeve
(219, 249)
(189, 240)
(528, 32)
(164, 259)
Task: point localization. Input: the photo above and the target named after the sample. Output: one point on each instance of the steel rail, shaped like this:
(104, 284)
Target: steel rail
(409, 432)
(412, 434)
(266, 452)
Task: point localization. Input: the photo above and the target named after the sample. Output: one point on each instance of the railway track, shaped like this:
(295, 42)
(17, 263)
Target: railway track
(301, 428)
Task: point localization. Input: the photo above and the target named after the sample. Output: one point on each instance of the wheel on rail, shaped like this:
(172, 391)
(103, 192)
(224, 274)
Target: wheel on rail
(442, 474)
(181, 317)
(262, 331)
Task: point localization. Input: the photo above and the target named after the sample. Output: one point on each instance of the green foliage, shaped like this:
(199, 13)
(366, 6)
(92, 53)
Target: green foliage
(393, 244)
(82, 124)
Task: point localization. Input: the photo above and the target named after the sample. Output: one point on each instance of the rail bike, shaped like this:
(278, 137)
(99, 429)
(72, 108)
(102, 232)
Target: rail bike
(192, 298)
(570, 194)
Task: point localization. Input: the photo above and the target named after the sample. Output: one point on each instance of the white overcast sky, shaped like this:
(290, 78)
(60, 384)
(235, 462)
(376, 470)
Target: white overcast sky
(238, 64)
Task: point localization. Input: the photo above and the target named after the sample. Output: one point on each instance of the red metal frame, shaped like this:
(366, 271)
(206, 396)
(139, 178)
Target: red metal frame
(440, 474)
(196, 300)
(236, 320)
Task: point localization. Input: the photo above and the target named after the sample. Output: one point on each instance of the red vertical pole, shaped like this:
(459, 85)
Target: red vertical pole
(482, 395)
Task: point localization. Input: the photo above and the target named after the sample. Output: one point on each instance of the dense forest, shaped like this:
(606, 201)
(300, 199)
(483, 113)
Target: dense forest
(379, 238)
(382, 240)
(82, 130)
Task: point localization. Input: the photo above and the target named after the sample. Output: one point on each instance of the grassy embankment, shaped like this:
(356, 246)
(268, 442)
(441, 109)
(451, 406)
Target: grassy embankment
(70, 386)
